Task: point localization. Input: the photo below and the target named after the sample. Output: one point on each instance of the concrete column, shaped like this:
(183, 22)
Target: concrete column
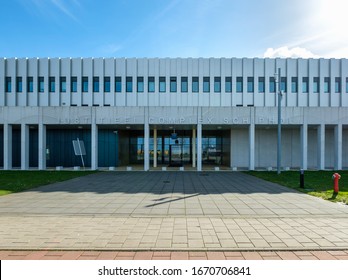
(252, 146)
(193, 147)
(321, 147)
(7, 146)
(42, 146)
(338, 147)
(155, 147)
(94, 144)
(24, 147)
(199, 147)
(146, 147)
(304, 146)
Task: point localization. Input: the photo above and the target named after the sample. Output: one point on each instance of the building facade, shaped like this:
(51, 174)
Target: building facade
(198, 113)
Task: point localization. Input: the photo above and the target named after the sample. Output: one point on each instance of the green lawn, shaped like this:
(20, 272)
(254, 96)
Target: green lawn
(317, 183)
(17, 181)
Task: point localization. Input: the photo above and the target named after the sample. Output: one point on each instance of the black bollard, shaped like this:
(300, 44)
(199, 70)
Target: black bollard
(301, 178)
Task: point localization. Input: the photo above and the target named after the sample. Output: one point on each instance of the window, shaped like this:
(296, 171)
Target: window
(73, 84)
(151, 84)
(129, 84)
(217, 84)
(184, 84)
(162, 84)
(250, 84)
(239, 85)
(173, 85)
(228, 84)
(337, 85)
(272, 85)
(19, 85)
(316, 87)
(8, 84)
(106, 84)
(95, 84)
(140, 84)
(84, 84)
(326, 84)
(30, 84)
(118, 84)
(52, 84)
(346, 85)
(283, 84)
(305, 84)
(41, 84)
(261, 84)
(206, 84)
(62, 83)
(195, 84)
(294, 84)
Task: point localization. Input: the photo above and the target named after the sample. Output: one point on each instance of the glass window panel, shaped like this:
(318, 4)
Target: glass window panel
(305, 85)
(316, 87)
(337, 85)
(52, 84)
(95, 84)
(62, 84)
(294, 84)
(283, 84)
(151, 84)
(106, 84)
(173, 85)
(129, 84)
(217, 84)
(30, 84)
(84, 84)
(228, 84)
(41, 84)
(73, 84)
(19, 85)
(118, 84)
(140, 84)
(272, 85)
(261, 84)
(346, 85)
(206, 84)
(239, 84)
(184, 84)
(162, 84)
(8, 84)
(250, 85)
(195, 84)
(326, 84)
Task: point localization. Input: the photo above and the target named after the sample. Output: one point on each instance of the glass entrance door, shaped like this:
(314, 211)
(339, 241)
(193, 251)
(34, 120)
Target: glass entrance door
(175, 155)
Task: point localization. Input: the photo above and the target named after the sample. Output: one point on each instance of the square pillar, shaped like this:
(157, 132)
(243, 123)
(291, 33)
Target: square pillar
(193, 147)
(24, 147)
(94, 148)
(7, 146)
(199, 147)
(155, 147)
(338, 147)
(42, 146)
(321, 147)
(304, 146)
(146, 147)
(252, 147)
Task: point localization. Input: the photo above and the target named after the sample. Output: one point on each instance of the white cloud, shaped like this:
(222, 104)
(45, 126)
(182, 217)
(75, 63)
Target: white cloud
(285, 52)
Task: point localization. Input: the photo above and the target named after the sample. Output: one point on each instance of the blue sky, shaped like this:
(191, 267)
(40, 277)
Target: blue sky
(174, 28)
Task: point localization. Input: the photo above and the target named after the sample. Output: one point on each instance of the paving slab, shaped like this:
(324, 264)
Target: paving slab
(213, 211)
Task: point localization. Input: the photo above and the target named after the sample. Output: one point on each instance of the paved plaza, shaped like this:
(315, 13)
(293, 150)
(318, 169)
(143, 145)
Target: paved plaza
(170, 211)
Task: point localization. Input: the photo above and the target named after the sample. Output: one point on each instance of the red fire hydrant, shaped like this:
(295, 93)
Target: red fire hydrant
(336, 177)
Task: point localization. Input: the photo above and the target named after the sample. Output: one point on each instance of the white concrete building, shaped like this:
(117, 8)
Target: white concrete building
(198, 113)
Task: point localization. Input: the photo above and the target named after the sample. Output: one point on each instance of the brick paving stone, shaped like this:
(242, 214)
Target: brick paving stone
(161, 254)
(143, 255)
(179, 256)
(321, 255)
(35, 255)
(197, 254)
(215, 255)
(233, 254)
(251, 256)
(287, 255)
(107, 256)
(125, 254)
(71, 255)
